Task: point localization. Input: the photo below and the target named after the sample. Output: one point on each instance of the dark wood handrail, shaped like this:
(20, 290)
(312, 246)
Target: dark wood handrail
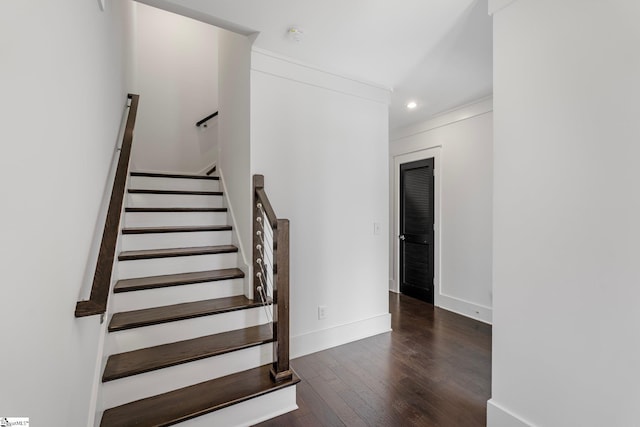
(97, 302)
(206, 119)
(280, 370)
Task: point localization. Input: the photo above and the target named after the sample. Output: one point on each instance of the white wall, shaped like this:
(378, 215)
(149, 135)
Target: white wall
(234, 133)
(63, 94)
(566, 229)
(321, 142)
(295, 112)
(463, 141)
(176, 75)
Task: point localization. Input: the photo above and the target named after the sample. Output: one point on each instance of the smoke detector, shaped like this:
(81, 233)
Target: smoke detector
(295, 33)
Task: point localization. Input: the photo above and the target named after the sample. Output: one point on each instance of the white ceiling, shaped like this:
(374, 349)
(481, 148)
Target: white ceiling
(437, 52)
(457, 71)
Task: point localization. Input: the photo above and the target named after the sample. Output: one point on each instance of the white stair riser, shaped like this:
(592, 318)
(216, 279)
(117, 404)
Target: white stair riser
(156, 183)
(133, 242)
(250, 412)
(148, 336)
(124, 390)
(165, 219)
(175, 265)
(145, 200)
(148, 298)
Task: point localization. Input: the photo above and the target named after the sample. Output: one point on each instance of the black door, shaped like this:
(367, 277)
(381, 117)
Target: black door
(416, 229)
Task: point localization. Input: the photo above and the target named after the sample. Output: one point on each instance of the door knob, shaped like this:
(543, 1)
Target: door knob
(401, 237)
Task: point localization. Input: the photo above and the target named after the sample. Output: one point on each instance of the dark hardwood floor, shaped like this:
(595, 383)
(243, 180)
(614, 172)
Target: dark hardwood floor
(434, 369)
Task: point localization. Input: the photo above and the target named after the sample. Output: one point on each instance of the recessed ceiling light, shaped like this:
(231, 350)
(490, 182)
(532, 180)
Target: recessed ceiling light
(411, 105)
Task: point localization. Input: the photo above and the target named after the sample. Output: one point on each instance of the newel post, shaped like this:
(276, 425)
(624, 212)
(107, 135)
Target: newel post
(281, 371)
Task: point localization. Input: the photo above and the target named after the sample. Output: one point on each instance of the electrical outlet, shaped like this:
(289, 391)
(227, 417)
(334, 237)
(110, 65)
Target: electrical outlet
(376, 228)
(322, 312)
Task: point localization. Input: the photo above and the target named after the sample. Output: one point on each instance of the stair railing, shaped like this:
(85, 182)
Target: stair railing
(271, 274)
(206, 119)
(97, 302)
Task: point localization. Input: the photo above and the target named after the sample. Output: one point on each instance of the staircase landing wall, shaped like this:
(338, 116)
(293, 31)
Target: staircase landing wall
(321, 142)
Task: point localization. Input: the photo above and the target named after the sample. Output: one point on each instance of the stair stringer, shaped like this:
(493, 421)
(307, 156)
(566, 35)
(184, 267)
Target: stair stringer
(96, 409)
(245, 266)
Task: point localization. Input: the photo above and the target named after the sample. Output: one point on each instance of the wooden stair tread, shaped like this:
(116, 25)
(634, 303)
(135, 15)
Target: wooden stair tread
(199, 399)
(152, 282)
(179, 192)
(174, 229)
(162, 356)
(130, 209)
(174, 175)
(175, 252)
(169, 313)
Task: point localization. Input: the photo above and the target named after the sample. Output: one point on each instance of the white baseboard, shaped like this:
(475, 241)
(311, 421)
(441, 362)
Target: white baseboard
(498, 416)
(465, 308)
(393, 287)
(323, 339)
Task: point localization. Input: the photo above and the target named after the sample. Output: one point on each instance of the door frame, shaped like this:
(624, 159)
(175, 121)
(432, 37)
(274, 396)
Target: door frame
(436, 153)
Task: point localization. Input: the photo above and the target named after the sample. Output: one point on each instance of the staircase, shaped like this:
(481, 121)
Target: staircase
(184, 344)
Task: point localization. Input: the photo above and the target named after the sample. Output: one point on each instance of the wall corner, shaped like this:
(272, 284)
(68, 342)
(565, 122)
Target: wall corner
(498, 416)
(497, 5)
